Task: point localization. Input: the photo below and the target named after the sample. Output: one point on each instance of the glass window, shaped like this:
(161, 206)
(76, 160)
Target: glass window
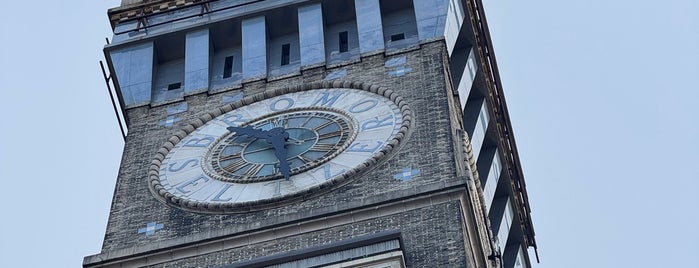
(505, 224)
(397, 37)
(343, 45)
(471, 64)
(286, 52)
(477, 142)
(460, 10)
(483, 117)
(519, 261)
(491, 183)
(174, 86)
(479, 130)
(228, 67)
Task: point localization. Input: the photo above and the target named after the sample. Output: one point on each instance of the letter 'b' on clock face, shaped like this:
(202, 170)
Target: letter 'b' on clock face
(315, 138)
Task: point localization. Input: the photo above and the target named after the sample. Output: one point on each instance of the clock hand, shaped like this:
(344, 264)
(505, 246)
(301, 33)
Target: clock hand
(249, 131)
(296, 141)
(292, 139)
(259, 150)
(277, 137)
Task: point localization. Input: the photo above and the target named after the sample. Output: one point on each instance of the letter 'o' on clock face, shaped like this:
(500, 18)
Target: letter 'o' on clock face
(252, 155)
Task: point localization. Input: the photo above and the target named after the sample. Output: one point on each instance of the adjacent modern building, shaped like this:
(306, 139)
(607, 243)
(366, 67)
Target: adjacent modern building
(311, 133)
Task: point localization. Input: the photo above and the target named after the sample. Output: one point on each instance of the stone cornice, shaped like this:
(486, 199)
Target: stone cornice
(146, 8)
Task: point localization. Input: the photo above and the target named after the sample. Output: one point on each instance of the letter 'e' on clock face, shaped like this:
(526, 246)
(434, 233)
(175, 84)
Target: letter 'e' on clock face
(263, 153)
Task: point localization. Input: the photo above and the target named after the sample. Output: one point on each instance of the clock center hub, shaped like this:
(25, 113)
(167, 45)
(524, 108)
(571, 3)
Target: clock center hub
(299, 142)
(248, 155)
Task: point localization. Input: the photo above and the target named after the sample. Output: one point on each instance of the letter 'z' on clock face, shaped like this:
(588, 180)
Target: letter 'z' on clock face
(262, 153)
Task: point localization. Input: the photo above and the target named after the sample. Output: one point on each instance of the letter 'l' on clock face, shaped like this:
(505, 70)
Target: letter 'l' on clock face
(263, 153)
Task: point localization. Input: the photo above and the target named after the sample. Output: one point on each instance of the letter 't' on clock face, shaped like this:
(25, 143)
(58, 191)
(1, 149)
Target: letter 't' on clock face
(281, 148)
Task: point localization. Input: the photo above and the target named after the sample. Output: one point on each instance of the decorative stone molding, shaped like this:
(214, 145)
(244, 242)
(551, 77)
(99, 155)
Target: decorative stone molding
(134, 9)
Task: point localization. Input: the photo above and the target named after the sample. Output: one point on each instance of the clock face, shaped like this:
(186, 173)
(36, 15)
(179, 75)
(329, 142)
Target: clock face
(261, 153)
(314, 136)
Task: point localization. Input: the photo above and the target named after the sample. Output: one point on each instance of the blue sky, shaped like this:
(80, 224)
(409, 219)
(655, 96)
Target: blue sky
(603, 97)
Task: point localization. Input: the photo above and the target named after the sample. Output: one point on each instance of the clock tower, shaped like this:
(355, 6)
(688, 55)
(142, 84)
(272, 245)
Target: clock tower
(312, 133)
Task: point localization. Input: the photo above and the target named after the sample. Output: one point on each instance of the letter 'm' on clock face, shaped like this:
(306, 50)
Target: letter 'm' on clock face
(234, 162)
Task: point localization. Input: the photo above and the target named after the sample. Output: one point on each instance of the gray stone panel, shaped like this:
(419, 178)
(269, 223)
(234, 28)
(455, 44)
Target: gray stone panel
(454, 19)
(431, 20)
(332, 47)
(369, 25)
(196, 64)
(430, 16)
(124, 32)
(133, 66)
(311, 39)
(218, 82)
(167, 73)
(275, 55)
(254, 53)
(400, 22)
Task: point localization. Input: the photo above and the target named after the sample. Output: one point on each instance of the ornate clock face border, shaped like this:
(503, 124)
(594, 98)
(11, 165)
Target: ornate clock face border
(217, 208)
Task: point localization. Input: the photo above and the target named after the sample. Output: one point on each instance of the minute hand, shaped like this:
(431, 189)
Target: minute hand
(277, 137)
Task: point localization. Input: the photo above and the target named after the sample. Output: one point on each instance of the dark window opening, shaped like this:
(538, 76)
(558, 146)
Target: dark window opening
(397, 37)
(228, 67)
(174, 86)
(285, 54)
(343, 42)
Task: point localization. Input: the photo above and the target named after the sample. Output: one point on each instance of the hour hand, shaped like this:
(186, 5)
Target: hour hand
(249, 131)
(276, 137)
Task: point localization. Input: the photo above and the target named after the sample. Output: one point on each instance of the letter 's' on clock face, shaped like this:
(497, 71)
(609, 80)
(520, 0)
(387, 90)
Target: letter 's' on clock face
(326, 134)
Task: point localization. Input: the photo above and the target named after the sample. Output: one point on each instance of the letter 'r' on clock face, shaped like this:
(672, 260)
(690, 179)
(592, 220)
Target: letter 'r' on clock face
(263, 153)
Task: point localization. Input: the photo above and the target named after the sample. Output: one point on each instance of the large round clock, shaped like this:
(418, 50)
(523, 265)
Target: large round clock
(279, 145)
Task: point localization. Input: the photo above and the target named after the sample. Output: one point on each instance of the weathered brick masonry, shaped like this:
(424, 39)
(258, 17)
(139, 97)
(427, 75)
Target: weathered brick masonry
(433, 234)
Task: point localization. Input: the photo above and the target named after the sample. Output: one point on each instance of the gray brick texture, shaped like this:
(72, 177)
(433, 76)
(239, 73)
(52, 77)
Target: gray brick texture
(433, 236)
